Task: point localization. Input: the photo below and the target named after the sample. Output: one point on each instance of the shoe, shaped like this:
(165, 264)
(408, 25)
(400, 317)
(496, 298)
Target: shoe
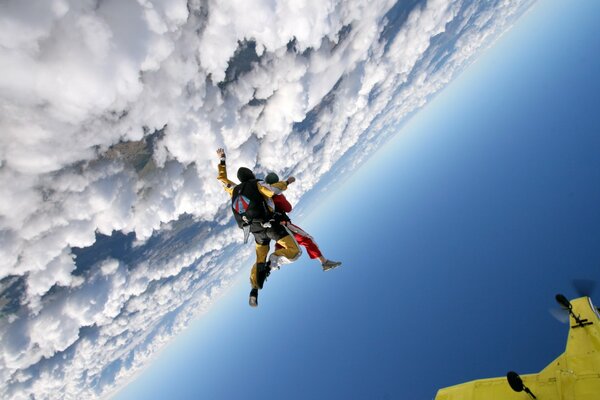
(253, 298)
(263, 270)
(273, 262)
(328, 264)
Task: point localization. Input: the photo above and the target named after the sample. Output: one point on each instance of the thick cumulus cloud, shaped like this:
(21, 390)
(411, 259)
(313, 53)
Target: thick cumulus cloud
(110, 114)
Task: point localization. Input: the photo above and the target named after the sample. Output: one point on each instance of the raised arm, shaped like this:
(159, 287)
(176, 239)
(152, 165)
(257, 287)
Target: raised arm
(275, 188)
(222, 175)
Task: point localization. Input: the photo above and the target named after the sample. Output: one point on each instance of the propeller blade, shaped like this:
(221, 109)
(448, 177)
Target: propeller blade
(584, 287)
(560, 314)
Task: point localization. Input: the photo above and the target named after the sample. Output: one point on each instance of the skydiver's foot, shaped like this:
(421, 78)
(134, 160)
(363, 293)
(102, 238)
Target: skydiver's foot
(273, 262)
(253, 301)
(263, 270)
(329, 264)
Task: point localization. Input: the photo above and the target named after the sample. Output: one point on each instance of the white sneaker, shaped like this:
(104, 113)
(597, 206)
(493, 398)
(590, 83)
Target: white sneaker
(274, 262)
(329, 264)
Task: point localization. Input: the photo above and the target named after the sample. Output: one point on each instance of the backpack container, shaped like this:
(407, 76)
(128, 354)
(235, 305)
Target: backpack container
(249, 207)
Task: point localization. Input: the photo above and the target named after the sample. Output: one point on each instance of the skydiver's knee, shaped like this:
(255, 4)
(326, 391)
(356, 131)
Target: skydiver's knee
(294, 253)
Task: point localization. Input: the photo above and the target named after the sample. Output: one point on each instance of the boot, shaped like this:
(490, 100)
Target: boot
(253, 301)
(263, 270)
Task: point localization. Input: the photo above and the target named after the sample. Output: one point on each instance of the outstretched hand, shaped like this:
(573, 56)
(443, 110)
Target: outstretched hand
(221, 153)
(291, 179)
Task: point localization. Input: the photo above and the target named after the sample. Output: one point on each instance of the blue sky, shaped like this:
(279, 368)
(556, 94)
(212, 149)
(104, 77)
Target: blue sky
(481, 209)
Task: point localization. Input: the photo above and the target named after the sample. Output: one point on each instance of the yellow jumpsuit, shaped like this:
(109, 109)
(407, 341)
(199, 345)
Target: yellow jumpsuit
(289, 248)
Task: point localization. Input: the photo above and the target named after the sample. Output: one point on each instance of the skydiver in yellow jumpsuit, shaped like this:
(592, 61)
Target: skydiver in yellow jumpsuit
(263, 231)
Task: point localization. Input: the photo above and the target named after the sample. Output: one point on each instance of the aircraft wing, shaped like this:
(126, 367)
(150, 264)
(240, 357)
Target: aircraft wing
(574, 375)
(498, 389)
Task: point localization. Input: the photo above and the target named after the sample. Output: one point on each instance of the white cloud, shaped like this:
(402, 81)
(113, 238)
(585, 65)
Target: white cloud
(110, 114)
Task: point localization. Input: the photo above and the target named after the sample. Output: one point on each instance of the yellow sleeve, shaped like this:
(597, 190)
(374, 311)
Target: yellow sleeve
(280, 185)
(271, 190)
(222, 177)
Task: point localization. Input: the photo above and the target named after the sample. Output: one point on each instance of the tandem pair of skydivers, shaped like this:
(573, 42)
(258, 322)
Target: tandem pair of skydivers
(260, 208)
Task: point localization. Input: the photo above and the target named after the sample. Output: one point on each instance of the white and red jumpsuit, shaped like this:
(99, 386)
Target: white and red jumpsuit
(303, 238)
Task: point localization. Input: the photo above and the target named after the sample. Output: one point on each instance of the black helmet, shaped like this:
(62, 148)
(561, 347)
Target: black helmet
(245, 174)
(271, 178)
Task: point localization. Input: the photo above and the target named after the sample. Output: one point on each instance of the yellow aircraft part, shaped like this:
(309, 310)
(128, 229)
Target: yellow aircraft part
(574, 375)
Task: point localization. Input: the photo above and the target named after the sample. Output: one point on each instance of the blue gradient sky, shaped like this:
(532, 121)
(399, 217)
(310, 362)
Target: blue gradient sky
(483, 207)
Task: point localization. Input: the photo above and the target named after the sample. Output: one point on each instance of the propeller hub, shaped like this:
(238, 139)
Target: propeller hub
(562, 300)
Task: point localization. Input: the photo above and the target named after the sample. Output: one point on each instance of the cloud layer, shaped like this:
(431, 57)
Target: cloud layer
(110, 114)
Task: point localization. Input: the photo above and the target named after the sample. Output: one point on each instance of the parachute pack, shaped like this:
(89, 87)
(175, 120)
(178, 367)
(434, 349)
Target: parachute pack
(249, 206)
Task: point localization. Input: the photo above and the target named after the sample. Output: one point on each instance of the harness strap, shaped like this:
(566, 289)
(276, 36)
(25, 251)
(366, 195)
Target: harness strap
(246, 229)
